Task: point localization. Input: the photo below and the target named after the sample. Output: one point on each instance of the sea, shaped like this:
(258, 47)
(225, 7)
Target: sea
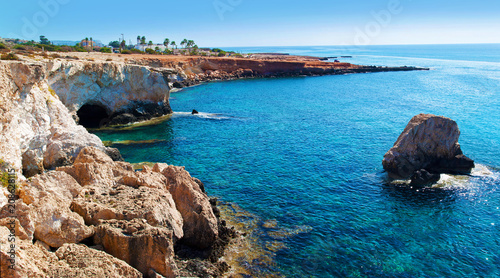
(297, 162)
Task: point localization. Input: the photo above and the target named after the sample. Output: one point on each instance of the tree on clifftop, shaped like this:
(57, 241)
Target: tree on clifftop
(115, 44)
(184, 43)
(44, 40)
(173, 44)
(166, 42)
(143, 40)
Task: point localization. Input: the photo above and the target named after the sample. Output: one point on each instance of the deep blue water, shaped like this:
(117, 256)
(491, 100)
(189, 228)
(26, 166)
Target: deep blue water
(306, 153)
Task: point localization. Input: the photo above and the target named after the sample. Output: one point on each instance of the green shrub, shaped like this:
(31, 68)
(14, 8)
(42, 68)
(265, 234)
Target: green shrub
(136, 51)
(9, 56)
(19, 47)
(150, 51)
(222, 54)
(4, 179)
(126, 52)
(105, 50)
(2, 46)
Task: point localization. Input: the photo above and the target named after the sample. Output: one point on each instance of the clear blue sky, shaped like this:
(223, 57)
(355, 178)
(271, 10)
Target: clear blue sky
(257, 22)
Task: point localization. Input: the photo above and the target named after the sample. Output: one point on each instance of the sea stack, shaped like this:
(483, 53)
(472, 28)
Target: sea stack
(428, 144)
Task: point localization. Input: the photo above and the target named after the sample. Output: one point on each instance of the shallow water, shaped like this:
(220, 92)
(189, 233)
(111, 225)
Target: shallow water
(303, 156)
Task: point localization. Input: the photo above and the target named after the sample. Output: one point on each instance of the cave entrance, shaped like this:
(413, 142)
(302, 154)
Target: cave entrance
(92, 116)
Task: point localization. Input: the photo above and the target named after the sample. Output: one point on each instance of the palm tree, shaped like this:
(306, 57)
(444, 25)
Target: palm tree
(143, 40)
(166, 42)
(86, 42)
(91, 44)
(122, 44)
(173, 44)
(190, 44)
(184, 43)
(138, 39)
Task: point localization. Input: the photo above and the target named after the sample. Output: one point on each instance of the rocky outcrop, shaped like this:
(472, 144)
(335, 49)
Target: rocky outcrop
(127, 93)
(70, 260)
(37, 131)
(200, 223)
(135, 216)
(141, 245)
(430, 143)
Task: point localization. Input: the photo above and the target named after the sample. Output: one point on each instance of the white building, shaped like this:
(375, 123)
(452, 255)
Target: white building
(143, 47)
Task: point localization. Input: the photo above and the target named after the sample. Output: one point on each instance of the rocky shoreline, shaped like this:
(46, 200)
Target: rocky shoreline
(80, 210)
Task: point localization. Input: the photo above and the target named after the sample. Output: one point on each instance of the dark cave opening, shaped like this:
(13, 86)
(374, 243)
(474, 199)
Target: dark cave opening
(92, 116)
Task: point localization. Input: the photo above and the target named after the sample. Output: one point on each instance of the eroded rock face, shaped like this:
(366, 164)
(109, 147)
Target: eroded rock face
(97, 203)
(428, 142)
(121, 89)
(200, 223)
(37, 131)
(80, 261)
(141, 245)
(70, 260)
(49, 197)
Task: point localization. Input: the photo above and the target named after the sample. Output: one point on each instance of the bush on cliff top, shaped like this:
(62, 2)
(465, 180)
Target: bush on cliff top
(136, 51)
(2, 46)
(9, 56)
(105, 50)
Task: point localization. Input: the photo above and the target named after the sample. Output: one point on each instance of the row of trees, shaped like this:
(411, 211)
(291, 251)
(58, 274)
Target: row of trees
(167, 42)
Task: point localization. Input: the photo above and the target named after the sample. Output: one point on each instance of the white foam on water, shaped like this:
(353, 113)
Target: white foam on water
(204, 115)
(464, 181)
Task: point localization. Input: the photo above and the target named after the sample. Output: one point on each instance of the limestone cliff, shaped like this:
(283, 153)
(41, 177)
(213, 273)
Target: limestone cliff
(36, 128)
(88, 204)
(40, 102)
(118, 88)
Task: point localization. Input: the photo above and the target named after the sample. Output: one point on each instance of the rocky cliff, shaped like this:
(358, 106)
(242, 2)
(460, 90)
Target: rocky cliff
(76, 211)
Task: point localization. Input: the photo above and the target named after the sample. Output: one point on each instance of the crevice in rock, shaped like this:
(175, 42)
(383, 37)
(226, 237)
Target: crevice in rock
(92, 116)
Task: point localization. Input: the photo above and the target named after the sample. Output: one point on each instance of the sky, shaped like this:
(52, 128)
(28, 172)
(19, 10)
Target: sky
(219, 23)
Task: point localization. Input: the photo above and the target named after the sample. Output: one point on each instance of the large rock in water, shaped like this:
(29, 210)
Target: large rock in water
(428, 142)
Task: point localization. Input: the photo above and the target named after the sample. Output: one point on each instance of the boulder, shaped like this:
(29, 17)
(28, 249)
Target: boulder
(97, 203)
(200, 223)
(94, 166)
(428, 142)
(53, 184)
(56, 225)
(22, 214)
(423, 178)
(139, 244)
(30, 260)
(49, 197)
(80, 261)
(70, 260)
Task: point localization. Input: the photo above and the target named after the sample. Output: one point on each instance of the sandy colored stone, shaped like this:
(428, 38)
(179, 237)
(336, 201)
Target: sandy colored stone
(80, 261)
(141, 245)
(53, 184)
(22, 214)
(156, 206)
(200, 223)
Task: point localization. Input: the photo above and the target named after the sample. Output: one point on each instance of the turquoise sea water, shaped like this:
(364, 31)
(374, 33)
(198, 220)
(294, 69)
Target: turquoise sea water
(305, 153)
